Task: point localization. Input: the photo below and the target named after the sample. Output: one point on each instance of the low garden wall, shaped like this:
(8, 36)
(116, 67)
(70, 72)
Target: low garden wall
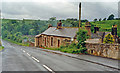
(104, 50)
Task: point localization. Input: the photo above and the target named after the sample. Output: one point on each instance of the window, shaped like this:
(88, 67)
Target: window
(51, 41)
(45, 41)
(58, 43)
(91, 51)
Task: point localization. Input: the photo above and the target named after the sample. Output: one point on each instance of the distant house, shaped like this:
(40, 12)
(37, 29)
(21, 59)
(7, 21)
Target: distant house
(98, 36)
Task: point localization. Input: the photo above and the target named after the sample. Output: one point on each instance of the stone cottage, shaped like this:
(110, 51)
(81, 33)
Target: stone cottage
(56, 36)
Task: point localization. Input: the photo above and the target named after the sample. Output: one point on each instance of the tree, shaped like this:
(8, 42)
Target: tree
(52, 18)
(104, 19)
(108, 39)
(81, 37)
(32, 32)
(111, 17)
(36, 28)
(95, 20)
(52, 21)
(18, 34)
(100, 19)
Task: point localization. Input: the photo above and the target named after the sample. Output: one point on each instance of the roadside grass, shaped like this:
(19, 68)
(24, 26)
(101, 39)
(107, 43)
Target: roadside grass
(70, 49)
(1, 48)
(22, 44)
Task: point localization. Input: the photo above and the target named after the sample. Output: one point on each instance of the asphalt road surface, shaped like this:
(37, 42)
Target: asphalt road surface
(19, 58)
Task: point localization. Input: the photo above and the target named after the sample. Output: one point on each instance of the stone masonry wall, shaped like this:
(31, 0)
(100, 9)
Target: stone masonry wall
(55, 41)
(104, 50)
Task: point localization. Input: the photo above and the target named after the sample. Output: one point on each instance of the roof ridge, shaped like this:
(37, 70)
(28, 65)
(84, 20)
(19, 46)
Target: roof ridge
(70, 27)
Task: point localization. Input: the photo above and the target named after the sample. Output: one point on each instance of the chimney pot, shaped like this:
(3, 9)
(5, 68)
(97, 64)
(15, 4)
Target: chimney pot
(49, 25)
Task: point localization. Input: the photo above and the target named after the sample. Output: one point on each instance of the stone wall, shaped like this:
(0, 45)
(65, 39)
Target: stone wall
(45, 41)
(104, 50)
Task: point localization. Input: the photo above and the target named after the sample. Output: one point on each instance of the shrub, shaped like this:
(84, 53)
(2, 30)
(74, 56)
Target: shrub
(83, 50)
(81, 37)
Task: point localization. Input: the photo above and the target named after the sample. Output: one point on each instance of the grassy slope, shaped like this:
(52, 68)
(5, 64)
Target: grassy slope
(106, 25)
(1, 47)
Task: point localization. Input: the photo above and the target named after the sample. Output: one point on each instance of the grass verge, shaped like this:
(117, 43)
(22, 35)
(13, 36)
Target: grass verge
(1, 48)
(72, 50)
(22, 44)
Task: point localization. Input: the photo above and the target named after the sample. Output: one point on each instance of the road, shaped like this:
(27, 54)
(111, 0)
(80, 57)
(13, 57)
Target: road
(20, 58)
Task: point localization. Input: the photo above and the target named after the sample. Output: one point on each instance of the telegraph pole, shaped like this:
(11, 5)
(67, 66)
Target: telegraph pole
(79, 15)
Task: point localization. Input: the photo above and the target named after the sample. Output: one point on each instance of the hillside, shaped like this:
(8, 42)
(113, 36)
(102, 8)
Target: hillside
(17, 30)
(104, 25)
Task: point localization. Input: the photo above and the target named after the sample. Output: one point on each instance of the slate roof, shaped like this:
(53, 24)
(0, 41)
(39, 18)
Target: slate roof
(99, 34)
(64, 32)
(94, 35)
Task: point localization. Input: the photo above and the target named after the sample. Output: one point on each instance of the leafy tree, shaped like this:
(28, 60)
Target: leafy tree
(100, 19)
(108, 39)
(52, 18)
(92, 27)
(13, 21)
(81, 37)
(104, 19)
(111, 17)
(95, 20)
(18, 34)
(32, 32)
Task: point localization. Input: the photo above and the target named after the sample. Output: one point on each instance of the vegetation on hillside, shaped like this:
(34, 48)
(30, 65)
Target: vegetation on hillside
(18, 30)
(14, 30)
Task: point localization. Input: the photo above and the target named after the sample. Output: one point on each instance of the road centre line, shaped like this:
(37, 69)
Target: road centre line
(48, 68)
(35, 59)
(23, 50)
(28, 54)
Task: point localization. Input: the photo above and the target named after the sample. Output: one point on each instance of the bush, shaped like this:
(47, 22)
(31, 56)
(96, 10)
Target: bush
(81, 37)
(83, 50)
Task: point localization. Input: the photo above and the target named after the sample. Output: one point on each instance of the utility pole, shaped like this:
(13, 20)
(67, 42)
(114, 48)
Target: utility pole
(79, 15)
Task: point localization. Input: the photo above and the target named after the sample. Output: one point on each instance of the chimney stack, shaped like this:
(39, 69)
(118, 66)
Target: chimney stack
(88, 28)
(59, 25)
(96, 29)
(114, 30)
(80, 15)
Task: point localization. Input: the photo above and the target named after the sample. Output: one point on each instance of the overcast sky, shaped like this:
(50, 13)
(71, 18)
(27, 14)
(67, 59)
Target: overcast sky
(60, 10)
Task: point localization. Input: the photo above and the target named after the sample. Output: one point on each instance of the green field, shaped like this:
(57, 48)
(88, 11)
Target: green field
(106, 25)
(17, 30)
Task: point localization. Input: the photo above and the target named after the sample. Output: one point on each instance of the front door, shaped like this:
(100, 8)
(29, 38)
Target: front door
(58, 43)
(45, 41)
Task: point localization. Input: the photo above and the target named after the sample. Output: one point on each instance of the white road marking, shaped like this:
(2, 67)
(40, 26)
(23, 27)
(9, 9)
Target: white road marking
(23, 50)
(35, 59)
(28, 54)
(48, 68)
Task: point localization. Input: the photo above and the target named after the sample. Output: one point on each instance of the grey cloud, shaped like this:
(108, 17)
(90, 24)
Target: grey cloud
(35, 10)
